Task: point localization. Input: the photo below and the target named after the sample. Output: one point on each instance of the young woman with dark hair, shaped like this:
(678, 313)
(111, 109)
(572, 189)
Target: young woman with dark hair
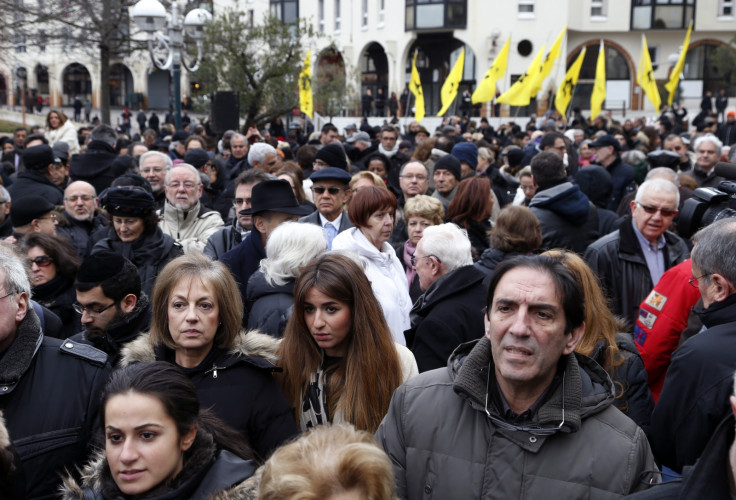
(159, 443)
(338, 358)
(471, 209)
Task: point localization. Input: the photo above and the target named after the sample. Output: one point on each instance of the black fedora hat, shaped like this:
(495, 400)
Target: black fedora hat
(274, 196)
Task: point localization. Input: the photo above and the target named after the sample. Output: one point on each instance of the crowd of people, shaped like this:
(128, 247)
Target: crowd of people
(531, 311)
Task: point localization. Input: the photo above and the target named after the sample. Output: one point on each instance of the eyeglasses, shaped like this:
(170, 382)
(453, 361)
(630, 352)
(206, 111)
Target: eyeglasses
(41, 261)
(333, 190)
(666, 212)
(694, 281)
(74, 198)
(7, 295)
(187, 185)
(91, 312)
(241, 201)
(418, 177)
(415, 259)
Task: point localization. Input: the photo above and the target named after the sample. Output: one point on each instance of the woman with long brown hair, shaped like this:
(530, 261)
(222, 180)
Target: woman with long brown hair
(471, 209)
(339, 361)
(614, 351)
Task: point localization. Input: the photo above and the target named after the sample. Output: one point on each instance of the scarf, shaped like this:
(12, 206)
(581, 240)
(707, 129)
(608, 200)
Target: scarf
(409, 249)
(391, 153)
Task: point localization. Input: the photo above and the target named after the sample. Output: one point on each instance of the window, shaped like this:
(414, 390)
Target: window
(321, 14)
(597, 8)
(381, 12)
(42, 40)
(286, 10)
(662, 14)
(526, 8)
(433, 14)
(250, 18)
(20, 43)
(725, 8)
(338, 21)
(364, 16)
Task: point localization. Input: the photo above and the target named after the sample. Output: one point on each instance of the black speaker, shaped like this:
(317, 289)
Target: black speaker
(225, 111)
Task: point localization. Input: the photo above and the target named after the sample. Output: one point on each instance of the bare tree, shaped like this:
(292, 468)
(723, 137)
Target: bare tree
(102, 28)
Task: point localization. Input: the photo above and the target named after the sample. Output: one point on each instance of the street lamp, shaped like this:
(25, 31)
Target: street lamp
(166, 53)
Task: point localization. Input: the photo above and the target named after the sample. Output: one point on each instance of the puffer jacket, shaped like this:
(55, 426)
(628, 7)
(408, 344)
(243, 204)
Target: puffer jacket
(630, 381)
(619, 263)
(443, 444)
(568, 219)
(387, 277)
(236, 385)
(207, 474)
(190, 228)
(270, 305)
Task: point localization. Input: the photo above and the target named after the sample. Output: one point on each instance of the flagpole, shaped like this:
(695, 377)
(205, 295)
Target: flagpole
(411, 94)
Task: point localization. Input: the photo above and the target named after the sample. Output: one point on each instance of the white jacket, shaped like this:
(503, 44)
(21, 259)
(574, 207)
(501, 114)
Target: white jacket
(191, 228)
(66, 133)
(387, 278)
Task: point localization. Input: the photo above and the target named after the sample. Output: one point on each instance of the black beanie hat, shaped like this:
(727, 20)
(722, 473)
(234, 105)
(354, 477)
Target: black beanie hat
(26, 208)
(100, 267)
(129, 201)
(450, 163)
(333, 155)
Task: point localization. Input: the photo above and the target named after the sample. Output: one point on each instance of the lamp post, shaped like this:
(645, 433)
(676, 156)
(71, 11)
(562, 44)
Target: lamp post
(166, 50)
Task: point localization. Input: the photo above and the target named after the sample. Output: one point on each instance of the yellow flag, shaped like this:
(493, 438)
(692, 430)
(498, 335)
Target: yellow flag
(415, 86)
(671, 86)
(645, 76)
(548, 64)
(449, 88)
(306, 104)
(564, 91)
(599, 87)
(519, 93)
(486, 91)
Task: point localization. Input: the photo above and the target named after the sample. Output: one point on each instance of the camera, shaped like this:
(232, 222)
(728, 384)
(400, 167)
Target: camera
(707, 206)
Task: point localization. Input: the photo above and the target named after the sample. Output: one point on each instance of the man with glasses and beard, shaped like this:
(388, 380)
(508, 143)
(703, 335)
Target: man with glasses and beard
(113, 308)
(517, 414)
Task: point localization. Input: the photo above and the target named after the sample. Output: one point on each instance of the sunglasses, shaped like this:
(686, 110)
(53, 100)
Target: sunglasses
(333, 190)
(41, 261)
(653, 210)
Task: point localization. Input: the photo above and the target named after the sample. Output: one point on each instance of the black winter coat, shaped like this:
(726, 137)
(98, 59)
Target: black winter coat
(243, 261)
(696, 390)
(270, 305)
(237, 385)
(97, 166)
(619, 263)
(150, 253)
(49, 392)
(59, 296)
(448, 314)
(30, 182)
(568, 219)
(84, 234)
(223, 241)
(630, 381)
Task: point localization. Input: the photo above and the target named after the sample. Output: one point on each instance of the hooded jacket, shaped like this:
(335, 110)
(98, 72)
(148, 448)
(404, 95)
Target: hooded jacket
(449, 313)
(97, 166)
(618, 261)
(387, 277)
(568, 219)
(236, 385)
(190, 228)
(207, 474)
(443, 444)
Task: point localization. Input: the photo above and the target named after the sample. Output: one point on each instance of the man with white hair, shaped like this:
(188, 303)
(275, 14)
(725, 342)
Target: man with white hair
(153, 167)
(708, 152)
(183, 217)
(630, 261)
(450, 311)
(84, 222)
(263, 156)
